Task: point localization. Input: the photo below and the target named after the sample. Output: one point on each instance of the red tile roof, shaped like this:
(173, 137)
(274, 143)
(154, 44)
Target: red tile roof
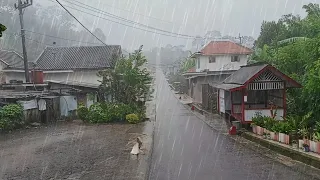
(224, 47)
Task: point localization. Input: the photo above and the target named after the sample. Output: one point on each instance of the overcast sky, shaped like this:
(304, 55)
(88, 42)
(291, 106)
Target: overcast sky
(188, 17)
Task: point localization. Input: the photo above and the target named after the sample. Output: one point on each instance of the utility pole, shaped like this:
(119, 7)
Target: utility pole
(20, 6)
(240, 38)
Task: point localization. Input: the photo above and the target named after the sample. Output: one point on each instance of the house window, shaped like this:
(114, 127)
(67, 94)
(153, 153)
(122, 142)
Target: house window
(212, 59)
(235, 59)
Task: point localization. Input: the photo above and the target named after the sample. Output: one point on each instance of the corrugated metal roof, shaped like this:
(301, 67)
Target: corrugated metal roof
(244, 74)
(227, 86)
(83, 57)
(13, 60)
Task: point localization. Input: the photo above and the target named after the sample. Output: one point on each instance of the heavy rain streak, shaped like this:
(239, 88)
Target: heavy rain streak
(159, 89)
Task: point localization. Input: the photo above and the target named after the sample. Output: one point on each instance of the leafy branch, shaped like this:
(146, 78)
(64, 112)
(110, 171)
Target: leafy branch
(2, 28)
(128, 81)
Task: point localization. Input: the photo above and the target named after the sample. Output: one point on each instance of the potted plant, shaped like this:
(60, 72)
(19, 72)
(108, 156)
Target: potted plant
(260, 130)
(254, 128)
(268, 124)
(284, 129)
(312, 143)
(274, 132)
(304, 134)
(280, 131)
(287, 129)
(317, 136)
(317, 140)
(257, 122)
(306, 147)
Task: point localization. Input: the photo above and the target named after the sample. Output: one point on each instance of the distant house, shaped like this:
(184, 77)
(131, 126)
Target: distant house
(69, 71)
(11, 64)
(216, 61)
(221, 56)
(69, 65)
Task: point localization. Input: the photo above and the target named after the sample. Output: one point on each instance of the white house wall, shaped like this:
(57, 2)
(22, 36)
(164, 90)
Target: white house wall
(15, 76)
(249, 114)
(223, 62)
(84, 76)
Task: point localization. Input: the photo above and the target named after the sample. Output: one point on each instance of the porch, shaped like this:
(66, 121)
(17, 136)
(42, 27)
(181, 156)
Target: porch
(247, 104)
(255, 89)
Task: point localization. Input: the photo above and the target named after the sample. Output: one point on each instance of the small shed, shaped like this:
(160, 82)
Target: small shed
(257, 88)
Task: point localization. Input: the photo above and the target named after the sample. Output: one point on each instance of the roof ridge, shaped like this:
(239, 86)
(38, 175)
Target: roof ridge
(11, 51)
(225, 47)
(243, 46)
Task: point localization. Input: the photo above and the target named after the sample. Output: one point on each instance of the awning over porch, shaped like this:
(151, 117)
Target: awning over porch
(226, 87)
(191, 75)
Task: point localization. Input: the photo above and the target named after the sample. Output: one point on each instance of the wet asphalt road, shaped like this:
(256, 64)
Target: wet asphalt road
(186, 148)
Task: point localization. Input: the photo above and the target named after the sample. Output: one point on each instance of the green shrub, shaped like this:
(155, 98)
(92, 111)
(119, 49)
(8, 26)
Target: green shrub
(258, 120)
(268, 122)
(113, 112)
(11, 117)
(96, 114)
(132, 118)
(285, 127)
(83, 112)
(141, 112)
(282, 127)
(275, 127)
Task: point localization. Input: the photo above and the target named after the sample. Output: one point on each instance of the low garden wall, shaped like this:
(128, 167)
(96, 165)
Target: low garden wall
(295, 154)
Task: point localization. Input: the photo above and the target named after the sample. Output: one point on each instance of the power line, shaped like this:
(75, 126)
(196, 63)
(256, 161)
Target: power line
(154, 32)
(59, 37)
(16, 34)
(19, 35)
(158, 19)
(123, 19)
(80, 22)
(30, 39)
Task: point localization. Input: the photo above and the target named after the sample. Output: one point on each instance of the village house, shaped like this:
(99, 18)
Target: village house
(70, 73)
(78, 65)
(255, 89)
(13, 61)
(216, 61)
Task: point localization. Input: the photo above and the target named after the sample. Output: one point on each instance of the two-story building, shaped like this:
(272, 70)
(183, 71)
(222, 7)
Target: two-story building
(216, 61)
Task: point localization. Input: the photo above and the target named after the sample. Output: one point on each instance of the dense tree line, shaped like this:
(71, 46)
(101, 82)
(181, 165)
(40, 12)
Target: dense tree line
(42, 25)
(292, 44)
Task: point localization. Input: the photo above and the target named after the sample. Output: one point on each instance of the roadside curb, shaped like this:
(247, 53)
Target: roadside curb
(197, 114)
(307, 166)
(306, 159)
(151, 114)
(149, 146)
